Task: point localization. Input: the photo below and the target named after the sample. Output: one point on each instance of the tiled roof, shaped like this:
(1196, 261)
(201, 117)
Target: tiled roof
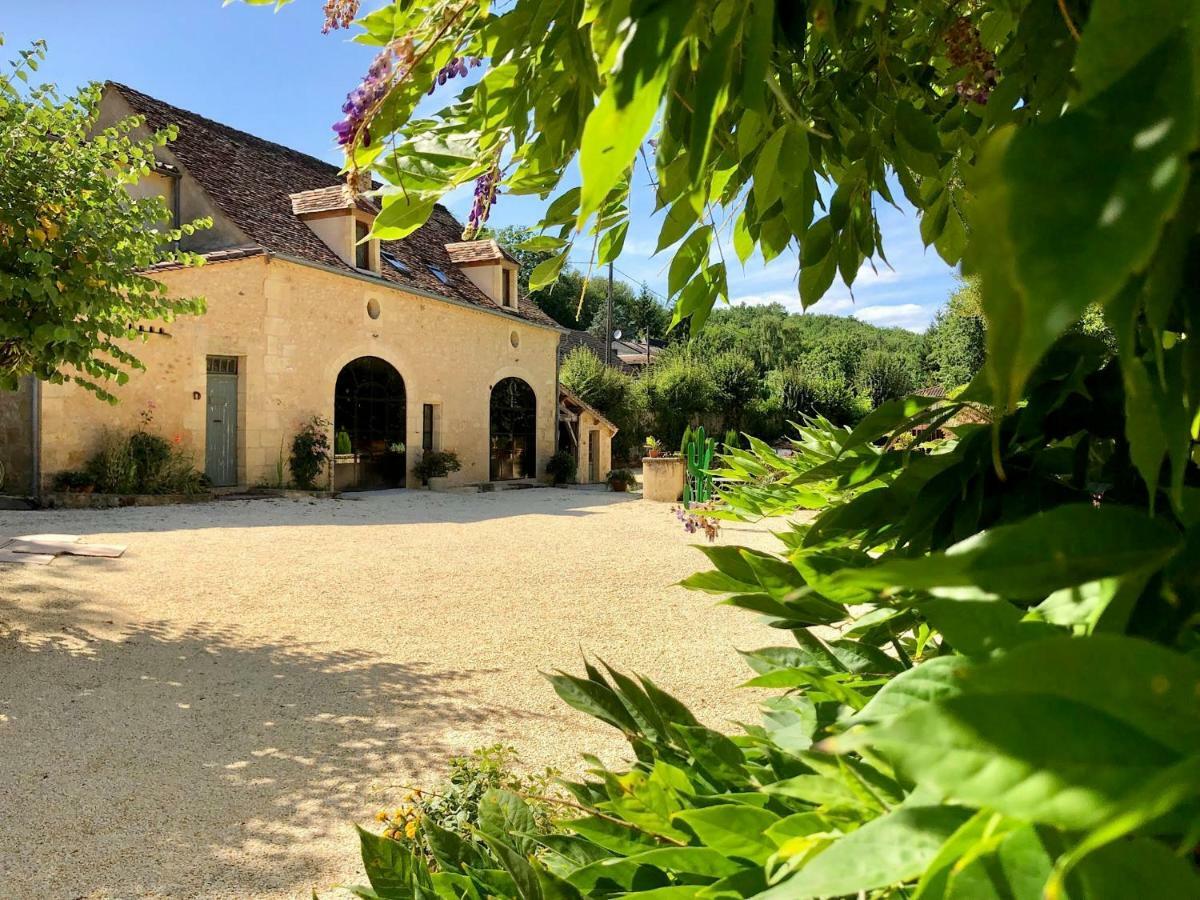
(570, 398)
(467, 252)
(334, 197)
(253, 180)
(214, 256)
(574, 339)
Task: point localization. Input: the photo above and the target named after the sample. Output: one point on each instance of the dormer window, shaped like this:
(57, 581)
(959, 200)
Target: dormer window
(491, 269)
(343, 221)
(362, 247)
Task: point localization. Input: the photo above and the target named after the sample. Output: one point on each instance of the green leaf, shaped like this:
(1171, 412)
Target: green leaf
(612, 242)
(732, 830)
(546, 272)
(1068, 210)
(931, 680)
(917, 128)
(1035, 757)
(690, 256)
(710, 96)
(1066, 546)
(1148, 687)
(506, 817)
(630, 99)
(767, 180)
(390, 867)
(1142, 868)
(594, 699)
(893, 848)
(690, 860)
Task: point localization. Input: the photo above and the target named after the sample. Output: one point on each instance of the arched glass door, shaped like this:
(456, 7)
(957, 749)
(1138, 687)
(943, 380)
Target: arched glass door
(369, 424)
(513, 431)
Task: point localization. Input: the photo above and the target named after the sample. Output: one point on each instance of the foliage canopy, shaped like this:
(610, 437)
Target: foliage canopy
(74, 243)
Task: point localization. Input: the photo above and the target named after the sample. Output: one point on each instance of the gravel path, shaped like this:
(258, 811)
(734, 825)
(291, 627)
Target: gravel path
(206, 716)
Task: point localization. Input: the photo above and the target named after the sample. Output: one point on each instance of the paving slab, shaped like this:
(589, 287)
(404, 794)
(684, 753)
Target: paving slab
(36, 559)
(110, 551)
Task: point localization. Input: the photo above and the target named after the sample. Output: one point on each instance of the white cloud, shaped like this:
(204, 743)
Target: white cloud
(912, 316)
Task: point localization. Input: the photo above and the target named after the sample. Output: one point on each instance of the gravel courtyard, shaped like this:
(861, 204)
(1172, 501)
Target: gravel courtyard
(207, 715)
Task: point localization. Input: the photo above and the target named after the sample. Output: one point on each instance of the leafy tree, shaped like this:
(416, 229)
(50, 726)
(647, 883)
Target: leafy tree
(609, 390)
(1010, 706)
(678, 389)
(735, 384)
(955, 341)
(74, 244)
(633, 313)
(884, 376)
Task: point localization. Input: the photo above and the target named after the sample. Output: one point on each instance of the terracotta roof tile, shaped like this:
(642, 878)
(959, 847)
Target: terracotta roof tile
(253, 182)
(325, 199)
(467, 252)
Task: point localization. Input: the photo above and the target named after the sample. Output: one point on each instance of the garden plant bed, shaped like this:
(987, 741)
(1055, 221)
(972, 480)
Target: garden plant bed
(86, 500)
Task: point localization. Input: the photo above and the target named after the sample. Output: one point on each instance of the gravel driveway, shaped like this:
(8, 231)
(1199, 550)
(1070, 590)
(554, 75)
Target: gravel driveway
(206, 716)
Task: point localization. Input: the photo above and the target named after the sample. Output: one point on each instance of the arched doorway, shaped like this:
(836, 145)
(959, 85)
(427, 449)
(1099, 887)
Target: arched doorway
(369, 425)
(513, 431)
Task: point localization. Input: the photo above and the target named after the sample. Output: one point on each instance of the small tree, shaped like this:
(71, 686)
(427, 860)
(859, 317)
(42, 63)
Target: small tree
(74, 245)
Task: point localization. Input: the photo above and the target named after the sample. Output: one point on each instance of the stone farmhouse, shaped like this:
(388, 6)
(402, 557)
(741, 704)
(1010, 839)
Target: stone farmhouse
(404, 346)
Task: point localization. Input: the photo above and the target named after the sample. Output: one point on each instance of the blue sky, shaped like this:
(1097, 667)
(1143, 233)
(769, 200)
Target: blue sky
(277, 76)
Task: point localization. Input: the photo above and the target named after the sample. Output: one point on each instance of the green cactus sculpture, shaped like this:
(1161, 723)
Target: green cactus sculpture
(698, 453)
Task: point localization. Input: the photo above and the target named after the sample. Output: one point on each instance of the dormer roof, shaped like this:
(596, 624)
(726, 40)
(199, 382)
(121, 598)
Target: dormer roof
(256, 184)
(468, 253)
(330, 199)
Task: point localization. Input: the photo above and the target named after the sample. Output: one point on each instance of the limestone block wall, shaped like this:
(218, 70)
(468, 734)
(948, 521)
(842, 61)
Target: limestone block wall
(16, 439)
(588, 422)
(293, 327)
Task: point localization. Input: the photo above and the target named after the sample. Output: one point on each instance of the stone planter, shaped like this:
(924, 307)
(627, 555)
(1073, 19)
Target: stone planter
(439, 484)
(662, 478)
(345, 471)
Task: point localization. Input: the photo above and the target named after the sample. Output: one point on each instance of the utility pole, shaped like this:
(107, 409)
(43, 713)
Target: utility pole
(608, 332)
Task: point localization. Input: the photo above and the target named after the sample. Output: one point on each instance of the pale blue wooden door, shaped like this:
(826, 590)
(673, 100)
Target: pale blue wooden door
(220, 440)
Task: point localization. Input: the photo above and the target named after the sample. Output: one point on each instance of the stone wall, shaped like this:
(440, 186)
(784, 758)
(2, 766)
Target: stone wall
(293, 327)
(16, 439)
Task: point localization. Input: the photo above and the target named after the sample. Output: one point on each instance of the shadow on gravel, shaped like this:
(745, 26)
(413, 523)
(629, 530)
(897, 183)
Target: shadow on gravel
(370, 508)
(198, 763)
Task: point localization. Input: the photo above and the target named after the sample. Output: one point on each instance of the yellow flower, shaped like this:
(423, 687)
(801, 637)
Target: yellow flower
(381, 816)
(411, 830)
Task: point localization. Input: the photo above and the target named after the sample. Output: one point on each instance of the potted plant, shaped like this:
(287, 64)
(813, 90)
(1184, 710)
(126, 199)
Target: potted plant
(435, 465)
(654, 447)
(562, 467)
(620, 480)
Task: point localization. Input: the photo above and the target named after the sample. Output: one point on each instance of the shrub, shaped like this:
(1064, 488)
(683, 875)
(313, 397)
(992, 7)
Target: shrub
(736, 383)
(562, 467)
(139, 462)
(341, 442)
(454, 805)
(884, 376)
(310, 452)
(678, 389)
(436, 464)
(73, 480)
(802, 394)
(620, 480)
(112, 468)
